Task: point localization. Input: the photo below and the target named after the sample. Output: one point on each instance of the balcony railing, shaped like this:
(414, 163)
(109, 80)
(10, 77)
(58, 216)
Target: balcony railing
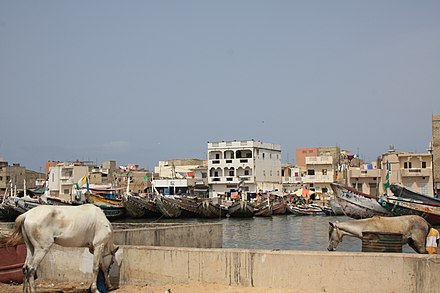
(323, 160)
(318, 179)
(416, 172)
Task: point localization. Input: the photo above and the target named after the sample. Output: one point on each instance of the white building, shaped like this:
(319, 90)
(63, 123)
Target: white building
(255, 162)
(63, 177)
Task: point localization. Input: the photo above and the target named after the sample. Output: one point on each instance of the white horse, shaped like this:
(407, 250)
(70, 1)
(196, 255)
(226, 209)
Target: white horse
(69, 226)
(414, 230)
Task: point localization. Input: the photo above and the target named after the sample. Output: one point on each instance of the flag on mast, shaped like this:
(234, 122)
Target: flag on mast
(387, 176)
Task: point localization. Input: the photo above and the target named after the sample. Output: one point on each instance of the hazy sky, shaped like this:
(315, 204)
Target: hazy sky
(143, 81)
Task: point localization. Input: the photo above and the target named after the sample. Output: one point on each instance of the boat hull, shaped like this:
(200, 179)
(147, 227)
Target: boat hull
(138, 207)
(11, 263)
(241, 209)
(168, 207)
(400, 207)
(357, 205)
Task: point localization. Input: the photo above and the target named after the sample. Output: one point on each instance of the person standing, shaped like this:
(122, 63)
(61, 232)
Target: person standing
(432, 241)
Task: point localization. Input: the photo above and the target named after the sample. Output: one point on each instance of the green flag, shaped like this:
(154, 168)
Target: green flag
(387, 177)
(146, 176)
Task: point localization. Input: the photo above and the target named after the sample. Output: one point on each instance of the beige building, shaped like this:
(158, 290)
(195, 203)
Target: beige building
(181, 176)
(412, 170)
(16, 175)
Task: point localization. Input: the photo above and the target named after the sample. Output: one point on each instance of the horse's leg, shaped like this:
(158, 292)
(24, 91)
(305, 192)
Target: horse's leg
(29, 258)
(39, 254)
(97, 254)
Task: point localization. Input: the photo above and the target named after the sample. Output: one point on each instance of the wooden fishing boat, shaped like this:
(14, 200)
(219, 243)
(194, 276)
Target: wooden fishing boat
(356, 204)
(336, 207)
(140, 207)
(208, 209)
(241, 209)
(14, 206)
(263, 210)
(279, 208)
(96, 198)
(169, 207)
(190, 207)
(112, 212)
(11, 263)
(401, 206)
(305, 210)
(403, 192)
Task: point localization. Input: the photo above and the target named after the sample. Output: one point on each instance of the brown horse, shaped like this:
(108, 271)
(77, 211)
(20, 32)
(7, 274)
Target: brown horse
(68, 226)
(414, 230)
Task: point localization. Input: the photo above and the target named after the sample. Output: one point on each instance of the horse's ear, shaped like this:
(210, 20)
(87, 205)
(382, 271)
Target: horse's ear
(331, 224)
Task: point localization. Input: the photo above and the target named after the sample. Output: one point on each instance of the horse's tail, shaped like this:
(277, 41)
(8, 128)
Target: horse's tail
(17, 237)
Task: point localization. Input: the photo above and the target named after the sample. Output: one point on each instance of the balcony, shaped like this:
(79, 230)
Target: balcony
(318, 178)
(320, 160)
(372, 173)
(416, 172)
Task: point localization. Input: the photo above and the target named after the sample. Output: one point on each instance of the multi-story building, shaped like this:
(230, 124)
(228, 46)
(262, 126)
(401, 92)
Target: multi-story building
(105, 175)
(302, 153)
(366, 178)
(257, 165)
(15, 175)
(412, 170)
(63, 177)
(291, 178)
(435, 151)
(181, 176)
(320, 173)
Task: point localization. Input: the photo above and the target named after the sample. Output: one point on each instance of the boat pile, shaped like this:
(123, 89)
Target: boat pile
(160, 206)
(359, 205)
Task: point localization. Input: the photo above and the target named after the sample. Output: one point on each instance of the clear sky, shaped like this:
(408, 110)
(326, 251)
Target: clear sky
(143, 81)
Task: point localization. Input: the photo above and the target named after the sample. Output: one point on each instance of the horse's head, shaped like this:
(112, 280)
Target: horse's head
(334, 236)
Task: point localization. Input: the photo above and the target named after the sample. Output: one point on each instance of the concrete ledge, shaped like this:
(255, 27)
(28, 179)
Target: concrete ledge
(300, 270)
(208, 235)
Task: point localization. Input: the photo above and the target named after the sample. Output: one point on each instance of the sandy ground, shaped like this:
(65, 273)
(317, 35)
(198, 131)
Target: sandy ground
(49, 287)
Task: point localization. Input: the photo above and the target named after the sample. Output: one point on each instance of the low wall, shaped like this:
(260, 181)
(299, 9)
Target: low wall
(208, 235)
(300, 270)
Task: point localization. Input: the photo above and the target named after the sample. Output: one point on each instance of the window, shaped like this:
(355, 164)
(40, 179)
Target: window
(310, 172)
(263, 155)
(270, 173)
(66, 191)
(216, 174)
(423, 164)
(231, 172)
(407, 165)
(217, 156)
(246, 172)
(324, 171)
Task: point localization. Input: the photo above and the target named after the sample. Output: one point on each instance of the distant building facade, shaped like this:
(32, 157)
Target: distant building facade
(256, 163)
(412, 170)
(63, 176)
(16, 175)
(181, 176)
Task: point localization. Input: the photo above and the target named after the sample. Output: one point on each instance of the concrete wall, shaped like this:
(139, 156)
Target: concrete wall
(301, 270)
(184, 235)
